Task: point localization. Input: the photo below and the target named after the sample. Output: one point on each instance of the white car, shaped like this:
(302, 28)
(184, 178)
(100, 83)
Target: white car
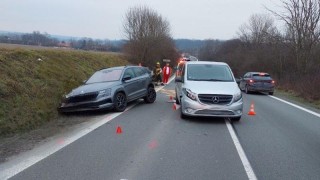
(208, 89)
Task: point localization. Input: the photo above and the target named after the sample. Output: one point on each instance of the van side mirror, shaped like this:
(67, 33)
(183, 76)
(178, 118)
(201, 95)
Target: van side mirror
(238, 80)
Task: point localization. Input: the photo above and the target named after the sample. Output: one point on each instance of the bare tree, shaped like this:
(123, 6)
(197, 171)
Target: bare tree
(258, 30)
(302, 28)
(148, 36)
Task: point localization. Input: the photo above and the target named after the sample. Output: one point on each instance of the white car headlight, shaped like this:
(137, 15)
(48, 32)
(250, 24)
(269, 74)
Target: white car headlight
(190, 94)
(105, 92)
(237, 97)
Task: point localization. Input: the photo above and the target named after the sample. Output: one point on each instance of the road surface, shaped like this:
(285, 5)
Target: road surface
(279, 142)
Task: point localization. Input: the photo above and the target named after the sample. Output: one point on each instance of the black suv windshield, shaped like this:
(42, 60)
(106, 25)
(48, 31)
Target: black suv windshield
(105, 76)
(208, 72)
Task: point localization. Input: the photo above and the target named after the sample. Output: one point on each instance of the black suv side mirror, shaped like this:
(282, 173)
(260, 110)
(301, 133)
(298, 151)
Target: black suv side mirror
(126, 78)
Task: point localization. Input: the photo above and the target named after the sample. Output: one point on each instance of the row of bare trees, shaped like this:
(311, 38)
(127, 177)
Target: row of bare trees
(148, 37)
(290, 53)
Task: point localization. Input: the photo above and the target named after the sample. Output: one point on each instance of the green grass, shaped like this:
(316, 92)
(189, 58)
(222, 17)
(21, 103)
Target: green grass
(30, 90)
(296, 98)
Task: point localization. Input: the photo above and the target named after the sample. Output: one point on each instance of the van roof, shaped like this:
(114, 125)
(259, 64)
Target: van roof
(206, 62)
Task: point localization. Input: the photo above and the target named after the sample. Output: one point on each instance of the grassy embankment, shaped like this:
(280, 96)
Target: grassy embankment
(30, 90)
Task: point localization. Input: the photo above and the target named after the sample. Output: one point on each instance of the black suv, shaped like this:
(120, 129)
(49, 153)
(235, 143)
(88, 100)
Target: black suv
(111, 88)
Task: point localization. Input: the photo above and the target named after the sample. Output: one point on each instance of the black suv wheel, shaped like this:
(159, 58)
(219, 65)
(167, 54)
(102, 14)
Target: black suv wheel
(120, 102)
(151, 95)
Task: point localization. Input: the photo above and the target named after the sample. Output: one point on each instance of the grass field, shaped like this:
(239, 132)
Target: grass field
(30, 90)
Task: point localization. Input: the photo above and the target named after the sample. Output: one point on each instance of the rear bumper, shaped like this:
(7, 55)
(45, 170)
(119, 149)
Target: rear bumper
(86, 106)
(260, 88)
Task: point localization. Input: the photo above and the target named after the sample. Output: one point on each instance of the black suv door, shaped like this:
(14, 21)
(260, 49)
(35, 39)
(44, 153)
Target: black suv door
(143, 81)
(131, 86)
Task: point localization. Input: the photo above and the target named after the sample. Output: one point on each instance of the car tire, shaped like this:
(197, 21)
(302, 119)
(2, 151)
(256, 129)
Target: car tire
(246, 90)
(120, 102)
(151, 95)
(182, 116)
(270, 93)
(177, 100)
(235, 119)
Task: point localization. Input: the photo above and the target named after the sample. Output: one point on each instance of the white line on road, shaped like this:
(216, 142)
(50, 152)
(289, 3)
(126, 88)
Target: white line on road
(29, 158)
(296, 106)
(245, 162)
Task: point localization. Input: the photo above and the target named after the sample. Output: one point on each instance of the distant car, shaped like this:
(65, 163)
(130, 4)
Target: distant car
(111, 88)
(257, 82)
(208, 89)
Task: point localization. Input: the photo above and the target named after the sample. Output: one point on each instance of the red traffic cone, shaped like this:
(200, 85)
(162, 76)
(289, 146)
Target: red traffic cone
(174, 107)
(171, 98)
(251, 112)
(119, 130)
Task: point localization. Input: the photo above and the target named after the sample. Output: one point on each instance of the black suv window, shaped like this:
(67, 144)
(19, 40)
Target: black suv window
(105, 75)
(138, 71)
(129, 72)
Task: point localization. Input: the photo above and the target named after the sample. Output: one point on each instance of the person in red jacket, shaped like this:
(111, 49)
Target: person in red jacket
(166, 73)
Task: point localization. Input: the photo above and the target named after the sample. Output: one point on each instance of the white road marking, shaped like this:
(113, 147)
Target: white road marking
(29, 158)
(296, 106)
(245, 162)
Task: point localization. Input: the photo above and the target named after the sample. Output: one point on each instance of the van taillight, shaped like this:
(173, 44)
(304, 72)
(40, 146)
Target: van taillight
(273, 82)
(251, 81)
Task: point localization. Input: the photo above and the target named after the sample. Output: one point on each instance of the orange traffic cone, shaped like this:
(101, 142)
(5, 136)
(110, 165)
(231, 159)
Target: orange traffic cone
(251, 112)
(174, 107)
(119, 130)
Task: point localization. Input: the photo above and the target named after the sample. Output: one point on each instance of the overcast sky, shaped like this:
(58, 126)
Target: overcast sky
(192, 19)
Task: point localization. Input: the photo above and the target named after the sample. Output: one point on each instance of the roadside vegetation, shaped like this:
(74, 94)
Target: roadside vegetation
(290, 52)
(33, 81)
(148, 37)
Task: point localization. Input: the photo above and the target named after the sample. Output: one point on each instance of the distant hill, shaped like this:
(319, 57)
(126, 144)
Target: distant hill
(187, 44)
(191, 46)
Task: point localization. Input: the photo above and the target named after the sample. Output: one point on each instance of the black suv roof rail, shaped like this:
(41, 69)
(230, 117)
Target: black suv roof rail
(104, 68)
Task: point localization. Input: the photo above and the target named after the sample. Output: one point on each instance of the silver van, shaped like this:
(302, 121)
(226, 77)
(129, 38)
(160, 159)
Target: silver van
(208, 89)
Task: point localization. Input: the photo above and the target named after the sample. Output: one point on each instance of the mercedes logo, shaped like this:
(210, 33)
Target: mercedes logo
(215, 99)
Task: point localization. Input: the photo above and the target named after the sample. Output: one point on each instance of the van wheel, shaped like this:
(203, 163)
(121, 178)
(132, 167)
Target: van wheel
(236, 119)
(270, 93)
(177, 100)
(182, 116)
(120, 102)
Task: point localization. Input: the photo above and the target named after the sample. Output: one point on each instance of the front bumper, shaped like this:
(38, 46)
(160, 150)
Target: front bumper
(196, 108)
(86, 106)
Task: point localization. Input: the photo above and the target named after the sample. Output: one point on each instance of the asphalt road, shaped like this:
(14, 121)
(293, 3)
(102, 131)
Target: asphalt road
(280, 142)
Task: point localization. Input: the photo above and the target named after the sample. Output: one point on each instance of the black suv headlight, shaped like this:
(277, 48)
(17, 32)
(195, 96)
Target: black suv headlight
(105, 92)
